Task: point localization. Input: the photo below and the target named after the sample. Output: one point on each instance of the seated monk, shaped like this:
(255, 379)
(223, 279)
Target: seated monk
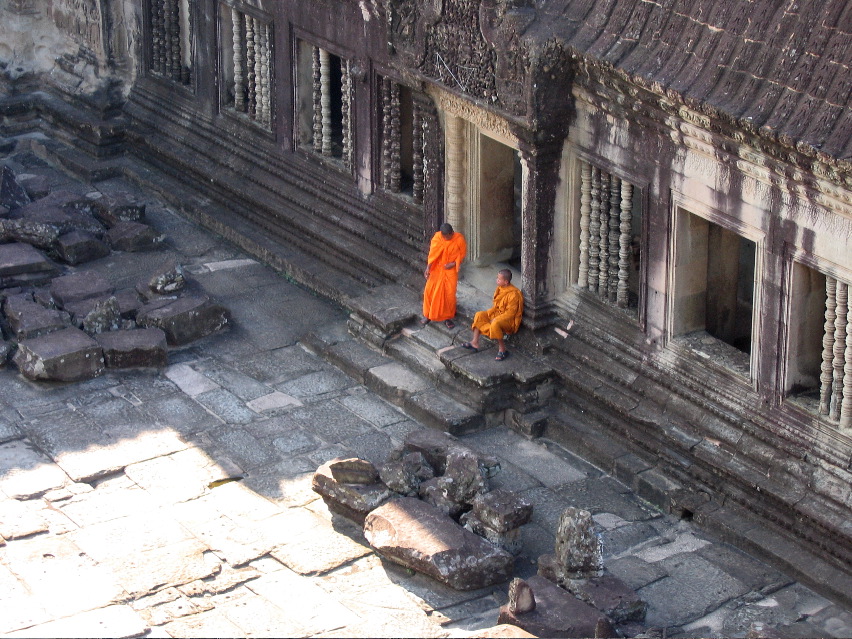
(503, 318)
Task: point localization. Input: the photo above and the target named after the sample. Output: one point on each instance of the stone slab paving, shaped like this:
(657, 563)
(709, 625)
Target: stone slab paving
(177, 502)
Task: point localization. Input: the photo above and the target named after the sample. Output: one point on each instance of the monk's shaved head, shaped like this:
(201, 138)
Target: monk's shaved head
(446, 229)
(506, 274)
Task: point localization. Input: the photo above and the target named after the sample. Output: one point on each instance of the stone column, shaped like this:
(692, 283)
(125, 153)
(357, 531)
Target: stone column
(541, 175)
(614, 236)
(846, 404)
(623, 291)
(594, 230)
(317, 99)
(251, 76)
(239, 82)
(417, 152)
(839, 359)
(585, 217)
(603, 264)
(455, 171)
(826, 371)
(325, 101)
(348, 129)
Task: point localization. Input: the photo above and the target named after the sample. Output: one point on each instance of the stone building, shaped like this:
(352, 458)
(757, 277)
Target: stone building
(671, 177)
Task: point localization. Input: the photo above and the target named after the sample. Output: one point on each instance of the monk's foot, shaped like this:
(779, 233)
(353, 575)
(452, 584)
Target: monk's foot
(424, 321)
(450, 324)
(501, 355)
(470, 346)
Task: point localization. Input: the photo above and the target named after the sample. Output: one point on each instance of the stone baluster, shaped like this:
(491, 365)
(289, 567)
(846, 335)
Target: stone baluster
(417, 152)
(839, 350)
(259, 70)
(167, 38)
(267, 74)
(174, 40)
(239, 79)
(386, 135)
(594, 230)
(264, 106)
(346, 90)
(603, 268)
(455, 171)
(846, 404)
(251, 60)
(158, 62)
(623, 291)
(317, 99)
(614, 234)
(186, 72)
(826, 371)
(395, 156)
(325, 85)
(585, 213)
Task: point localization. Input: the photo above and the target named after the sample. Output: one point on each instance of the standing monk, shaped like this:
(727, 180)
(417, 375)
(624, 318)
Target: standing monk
(503, 318)
(446, 252)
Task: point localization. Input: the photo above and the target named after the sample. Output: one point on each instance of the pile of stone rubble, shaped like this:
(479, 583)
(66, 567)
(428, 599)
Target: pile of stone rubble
(58, 324)
(429, 508)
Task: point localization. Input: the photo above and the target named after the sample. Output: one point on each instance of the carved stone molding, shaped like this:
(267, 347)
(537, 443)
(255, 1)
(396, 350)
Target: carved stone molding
(479, 117)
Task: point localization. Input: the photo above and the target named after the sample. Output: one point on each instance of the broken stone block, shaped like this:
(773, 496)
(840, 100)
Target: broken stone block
(167, 279)
(39, 234)
(121, 207)
(27, 319)
(42, 296)
(353, 471)
(12, 194)
(22, 264)
(104, 316)
(610, 595)
(417, 535)
(509, 540)
(80, 309)
(78, 247)
(36, 186)
(79, 286)
(436, 446)
(68, 355)
(129, 303)
(353, 501)
(405, 475)
(557, 613)
(502, 510)
(132, 236)
(578, 547)
(64, 219)
(436, 492)
(184, 319)
(500, 631)
(463, 478)
(521, 597)
(68, 200)
(138, 348)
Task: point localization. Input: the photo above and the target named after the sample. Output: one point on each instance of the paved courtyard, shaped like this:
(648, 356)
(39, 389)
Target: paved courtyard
(178, 502)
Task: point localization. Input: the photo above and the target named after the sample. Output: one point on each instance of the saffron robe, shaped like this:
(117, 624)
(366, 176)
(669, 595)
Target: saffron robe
(504, 317)
(439, 297)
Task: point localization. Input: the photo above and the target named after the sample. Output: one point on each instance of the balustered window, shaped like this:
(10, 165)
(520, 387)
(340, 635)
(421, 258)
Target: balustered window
(171, 39)
(610, 237)
(247, 46)
(819, 343)
(714, 291)
(402, 121)
(324, 94)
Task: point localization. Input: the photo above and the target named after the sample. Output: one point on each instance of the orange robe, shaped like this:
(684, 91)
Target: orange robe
(504, 317)
(439, 298)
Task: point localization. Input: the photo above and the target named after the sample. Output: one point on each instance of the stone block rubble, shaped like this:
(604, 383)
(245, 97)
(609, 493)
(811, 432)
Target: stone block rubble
(60, 324)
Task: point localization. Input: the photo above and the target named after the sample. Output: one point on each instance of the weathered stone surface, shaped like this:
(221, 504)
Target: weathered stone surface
(167, 279)
(557, 613)
(139, 348)
(39, 234)
(28, 319)
(129, 302)
(353, 501)
(104, 316)
(68, 355)
(132, 236)
(78, 247)
(61, 219)
(417, 535)
(5, 351)
(68, 200)
(185, 319)
(12, 194)
(462, 477)
(610, 595)
(36, 186)
(509, 540)
(435, 492)
(502, 510)
(120, 207)
(500, 631)
(353, 471)
(436, 446)
(79, 286)
(17, 258)
(405, 475)
(521, 597)
(578, 548)
(81, 308)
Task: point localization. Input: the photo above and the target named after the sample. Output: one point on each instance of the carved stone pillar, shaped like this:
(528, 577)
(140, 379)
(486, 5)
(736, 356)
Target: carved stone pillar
(826, 371)
(614, 236)
(158, 42)
(239, 80)
(174, 37)
(594, 230)
(585, 217)
(317, 99)
(346, 90)
(541, 175)
(839, 359)
(433, 165)
(251, 77)
(455, 171)
(603, 264)
(846, 402)
(395, 158)
(325, 101)
(265, 83)
(623, 290)
(417, 152)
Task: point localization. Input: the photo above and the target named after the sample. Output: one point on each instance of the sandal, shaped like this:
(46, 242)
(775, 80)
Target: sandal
(501, 355)
(469, 346)
(450, 324)
(425, 321)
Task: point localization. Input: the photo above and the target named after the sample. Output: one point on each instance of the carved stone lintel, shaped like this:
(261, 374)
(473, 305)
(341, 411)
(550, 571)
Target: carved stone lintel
(483, 119)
